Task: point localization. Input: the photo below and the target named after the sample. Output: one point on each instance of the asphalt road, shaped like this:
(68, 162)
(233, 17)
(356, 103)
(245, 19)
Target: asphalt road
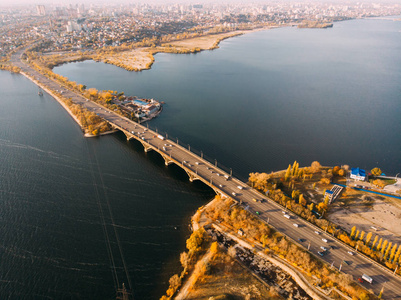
(268, 210)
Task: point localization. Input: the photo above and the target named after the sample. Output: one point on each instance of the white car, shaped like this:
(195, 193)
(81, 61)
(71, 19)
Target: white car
(324, 240)
(350, 253)
(234, 194)
(240, 187)
(323, 248)
(295, 224)
(317, 232)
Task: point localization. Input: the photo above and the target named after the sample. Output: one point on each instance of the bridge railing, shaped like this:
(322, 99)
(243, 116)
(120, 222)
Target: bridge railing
(200, 153)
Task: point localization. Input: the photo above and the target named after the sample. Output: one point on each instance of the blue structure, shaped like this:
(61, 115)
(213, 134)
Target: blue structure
(358, 174)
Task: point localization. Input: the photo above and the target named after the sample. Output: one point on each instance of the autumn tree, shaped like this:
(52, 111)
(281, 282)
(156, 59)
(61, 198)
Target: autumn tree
(368, 238)
(195, 240)
(352, 231)
(379, 244)
(362, 235)
(287, 173)
(392, 253)
(384, 246)
(376, 171)
(315, 167)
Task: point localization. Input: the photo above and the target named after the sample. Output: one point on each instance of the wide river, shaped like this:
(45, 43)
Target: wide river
(259, 102)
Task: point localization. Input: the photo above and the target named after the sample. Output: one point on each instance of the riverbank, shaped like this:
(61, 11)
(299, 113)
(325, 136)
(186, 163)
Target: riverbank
(283, 273)
(62, 101)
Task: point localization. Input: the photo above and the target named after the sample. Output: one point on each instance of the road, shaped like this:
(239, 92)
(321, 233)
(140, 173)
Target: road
(268, 210)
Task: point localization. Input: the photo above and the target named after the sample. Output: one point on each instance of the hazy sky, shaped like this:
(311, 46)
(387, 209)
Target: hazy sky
(66, 2)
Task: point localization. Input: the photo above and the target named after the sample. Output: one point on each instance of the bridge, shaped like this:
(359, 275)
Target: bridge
(198, 168)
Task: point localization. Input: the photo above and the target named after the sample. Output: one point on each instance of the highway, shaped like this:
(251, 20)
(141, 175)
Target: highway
(269, 211)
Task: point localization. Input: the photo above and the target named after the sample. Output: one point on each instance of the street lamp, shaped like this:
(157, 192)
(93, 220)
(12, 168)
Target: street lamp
(215, 162)
(201, 154)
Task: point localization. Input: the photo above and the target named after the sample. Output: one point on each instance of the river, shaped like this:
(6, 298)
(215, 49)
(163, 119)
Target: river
(259, 102)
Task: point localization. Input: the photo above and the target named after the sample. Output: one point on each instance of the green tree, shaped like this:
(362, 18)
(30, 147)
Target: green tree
(376, 171)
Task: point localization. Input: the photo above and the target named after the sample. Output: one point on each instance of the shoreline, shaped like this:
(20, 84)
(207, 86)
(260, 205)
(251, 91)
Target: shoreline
(149, 53)
(61, 102)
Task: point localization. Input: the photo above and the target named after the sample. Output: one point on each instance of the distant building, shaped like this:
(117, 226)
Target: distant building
(73, 26)
(358, 174)
(41, 10)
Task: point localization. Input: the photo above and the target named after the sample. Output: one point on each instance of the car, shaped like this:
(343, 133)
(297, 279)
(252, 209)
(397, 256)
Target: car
(220, 185)
(189, 165)
(350, 253)
(295, 224)
(323, 248)
(320, 253)
(253, 199)
(317, 232)
(324, 240)
(240, 187)
(360, 280)
(196, 163)
(234, 194)
(257, 213)
(218, 174)
(347, 263)
(301, 240)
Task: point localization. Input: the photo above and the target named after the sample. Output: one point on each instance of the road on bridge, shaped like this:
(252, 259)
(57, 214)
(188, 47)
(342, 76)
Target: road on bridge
(296, 228)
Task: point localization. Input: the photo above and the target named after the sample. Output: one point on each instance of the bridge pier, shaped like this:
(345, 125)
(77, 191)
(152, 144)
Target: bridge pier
(167, 160)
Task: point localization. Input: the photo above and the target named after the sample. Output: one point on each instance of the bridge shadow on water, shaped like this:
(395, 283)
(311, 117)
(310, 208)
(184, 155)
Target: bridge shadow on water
(174, 171)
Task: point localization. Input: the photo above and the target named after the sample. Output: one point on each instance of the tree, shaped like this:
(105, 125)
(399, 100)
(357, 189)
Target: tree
(379, 244)
(397, 255)
(287, 173)
(374, 242)
(384, 246)
(352, 231)
(379, 183)
(376, 171)
(392, 254)
(214, 248)
(356, 235)
(388, 250)
(315, 166)
(362, 235)
(184, 259)
(195, 240)
(311, 206)
(302, 200)
(341, 172)
(368, 238)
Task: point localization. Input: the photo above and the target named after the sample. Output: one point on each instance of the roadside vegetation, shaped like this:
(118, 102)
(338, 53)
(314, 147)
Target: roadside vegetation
(235, 218)
(296, 189)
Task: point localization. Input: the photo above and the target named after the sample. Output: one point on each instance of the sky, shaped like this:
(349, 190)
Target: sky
(4, 3)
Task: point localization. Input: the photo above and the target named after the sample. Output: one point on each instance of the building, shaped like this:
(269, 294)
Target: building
(358, 174)
(41, 10)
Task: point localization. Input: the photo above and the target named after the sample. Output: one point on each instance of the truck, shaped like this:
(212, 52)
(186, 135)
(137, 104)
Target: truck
(160, 137)
(367, 278)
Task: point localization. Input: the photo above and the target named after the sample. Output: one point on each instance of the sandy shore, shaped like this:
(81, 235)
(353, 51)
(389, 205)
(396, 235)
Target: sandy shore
(142, 58)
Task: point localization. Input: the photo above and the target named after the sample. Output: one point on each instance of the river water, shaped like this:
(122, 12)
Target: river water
(257, 103)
